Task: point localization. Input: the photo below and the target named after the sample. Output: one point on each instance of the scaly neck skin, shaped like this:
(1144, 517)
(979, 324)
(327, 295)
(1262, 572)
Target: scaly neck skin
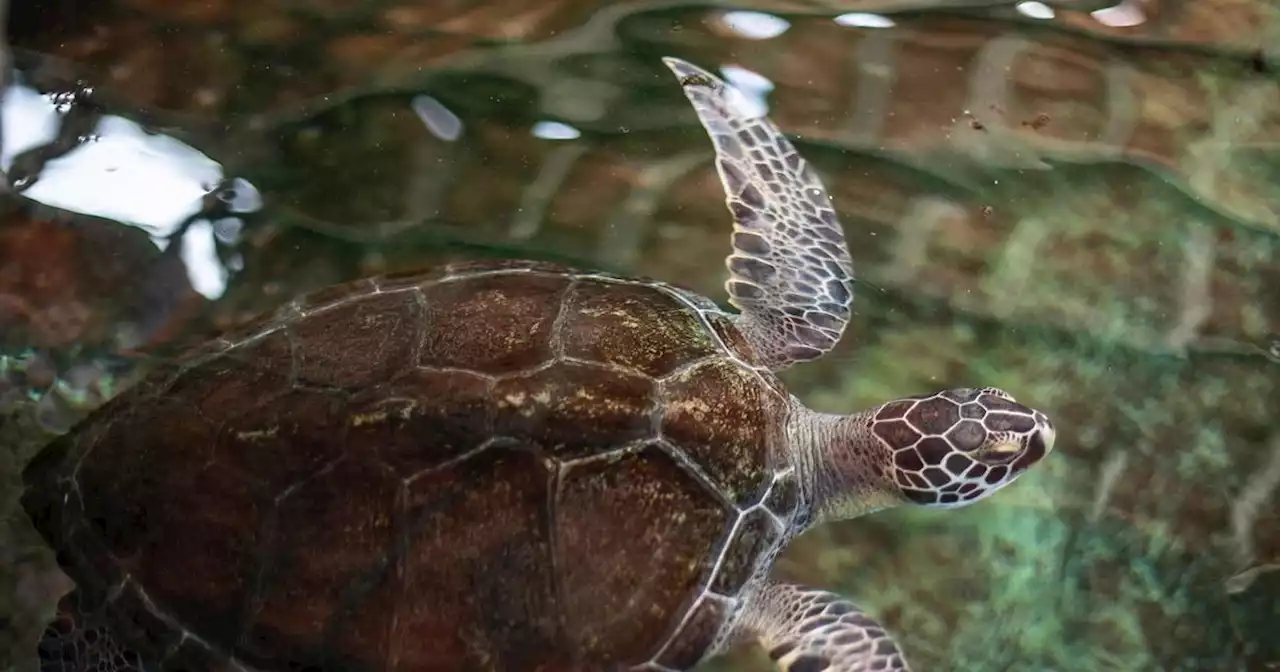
(843, 470)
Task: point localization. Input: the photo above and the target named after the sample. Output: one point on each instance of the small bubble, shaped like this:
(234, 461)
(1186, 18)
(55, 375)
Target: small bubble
(1273, 349)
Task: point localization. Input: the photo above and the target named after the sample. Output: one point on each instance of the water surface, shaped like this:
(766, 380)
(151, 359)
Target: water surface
(1074, 201)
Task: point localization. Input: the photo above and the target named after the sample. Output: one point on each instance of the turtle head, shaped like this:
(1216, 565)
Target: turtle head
(942, 450)
(955, 447)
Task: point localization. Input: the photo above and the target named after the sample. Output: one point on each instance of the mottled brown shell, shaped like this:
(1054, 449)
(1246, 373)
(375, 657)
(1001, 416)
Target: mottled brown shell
(492, 466)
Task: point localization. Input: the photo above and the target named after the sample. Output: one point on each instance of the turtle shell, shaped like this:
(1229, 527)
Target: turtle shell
(491, 466)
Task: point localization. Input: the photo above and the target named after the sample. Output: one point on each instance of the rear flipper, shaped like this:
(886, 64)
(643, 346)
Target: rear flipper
(77, 642)
(807, 630)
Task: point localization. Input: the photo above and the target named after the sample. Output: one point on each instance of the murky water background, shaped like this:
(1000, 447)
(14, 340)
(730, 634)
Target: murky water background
(1075, 201)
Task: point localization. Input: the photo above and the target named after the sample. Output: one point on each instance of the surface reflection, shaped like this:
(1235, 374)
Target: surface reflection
(864, 20)
(754, 25)
(115, 233)
(61, 151)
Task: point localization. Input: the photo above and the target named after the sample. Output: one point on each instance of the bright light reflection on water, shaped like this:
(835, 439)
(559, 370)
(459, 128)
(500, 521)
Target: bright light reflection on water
(755, 25)
(1123, 15)
(865, 20)
(123, 173)
(752, 89)
(1035, 10)
(554, 130)
(439, 120)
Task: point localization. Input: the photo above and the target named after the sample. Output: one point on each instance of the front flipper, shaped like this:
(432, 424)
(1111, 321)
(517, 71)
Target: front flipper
(790, 270)
(76, 642)
(806, 630)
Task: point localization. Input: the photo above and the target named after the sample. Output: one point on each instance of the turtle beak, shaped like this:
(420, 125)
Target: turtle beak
(1039, 444)
(1047, 434)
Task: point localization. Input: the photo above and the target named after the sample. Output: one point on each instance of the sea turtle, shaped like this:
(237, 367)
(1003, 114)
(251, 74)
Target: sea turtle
(509, 466)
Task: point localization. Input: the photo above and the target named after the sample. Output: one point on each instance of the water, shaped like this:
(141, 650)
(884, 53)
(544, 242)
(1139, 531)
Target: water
(1077, 206)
